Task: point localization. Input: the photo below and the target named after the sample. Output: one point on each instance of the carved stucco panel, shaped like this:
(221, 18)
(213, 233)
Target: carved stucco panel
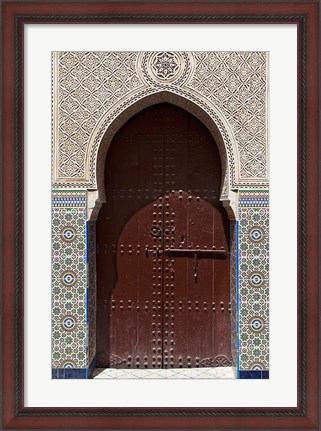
(236, 83)
(88, 84)
(91, 88)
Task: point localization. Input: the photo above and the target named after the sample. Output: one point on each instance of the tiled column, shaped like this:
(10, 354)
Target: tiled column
(253, 285)
(70, 345)
(233, 290)
(91, 297)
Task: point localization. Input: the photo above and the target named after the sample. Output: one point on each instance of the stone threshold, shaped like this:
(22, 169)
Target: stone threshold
(172, 373)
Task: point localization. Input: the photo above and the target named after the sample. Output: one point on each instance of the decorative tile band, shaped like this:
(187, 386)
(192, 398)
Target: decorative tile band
(253, 198)
(254, 202)
(69, 201)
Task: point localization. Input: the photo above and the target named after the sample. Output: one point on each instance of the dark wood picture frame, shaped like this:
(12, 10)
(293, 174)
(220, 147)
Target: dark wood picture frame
(14, 15)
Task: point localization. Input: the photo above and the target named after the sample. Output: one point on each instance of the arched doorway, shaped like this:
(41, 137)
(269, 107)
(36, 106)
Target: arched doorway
(163, 242)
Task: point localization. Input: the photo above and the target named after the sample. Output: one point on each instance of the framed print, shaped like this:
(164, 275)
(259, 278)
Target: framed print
(160, 215)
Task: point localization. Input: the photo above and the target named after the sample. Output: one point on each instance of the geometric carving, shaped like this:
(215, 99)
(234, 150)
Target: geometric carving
(116, 360)
(164, 68)
(236, 83)
(222, 361)
(88, 85)
(218, 361)
(165, 65)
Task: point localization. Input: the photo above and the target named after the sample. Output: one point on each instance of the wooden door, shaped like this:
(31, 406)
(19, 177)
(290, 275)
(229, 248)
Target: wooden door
(163, 247)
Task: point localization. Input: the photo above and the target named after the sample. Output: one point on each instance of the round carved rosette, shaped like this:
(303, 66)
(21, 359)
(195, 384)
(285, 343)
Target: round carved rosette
(166, 67)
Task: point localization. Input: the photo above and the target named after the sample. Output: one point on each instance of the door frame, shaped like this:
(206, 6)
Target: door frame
(228, 197)
(220, 358)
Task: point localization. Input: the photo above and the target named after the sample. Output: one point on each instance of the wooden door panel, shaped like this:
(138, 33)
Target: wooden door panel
(201, 314)
(129, 317)
(162, 184)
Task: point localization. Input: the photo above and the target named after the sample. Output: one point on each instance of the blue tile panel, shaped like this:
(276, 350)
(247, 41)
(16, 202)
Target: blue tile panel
(237, 301)
(91, 291)
(69, 373)
(87, 241)
(74, 373)
(233, 291)
(253, 284)
(69, 339)
(253, 374)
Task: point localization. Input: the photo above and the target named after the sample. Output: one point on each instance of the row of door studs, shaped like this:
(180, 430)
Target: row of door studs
(171, 306)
